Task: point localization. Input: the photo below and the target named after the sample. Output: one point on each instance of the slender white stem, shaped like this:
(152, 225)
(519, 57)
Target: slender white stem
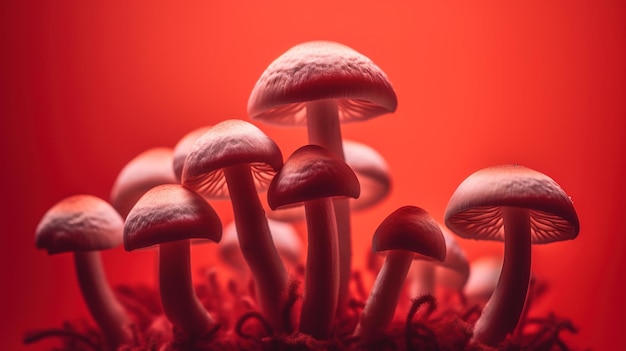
(104, 307)
(501, 314)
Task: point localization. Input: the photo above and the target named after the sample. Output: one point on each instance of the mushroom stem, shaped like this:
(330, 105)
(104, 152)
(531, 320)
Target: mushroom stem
(256, 243)
(180, 303)
(423, 279)
(383, 299)
(322, 276)
(104, 307)
(501, 313)
(324, 130)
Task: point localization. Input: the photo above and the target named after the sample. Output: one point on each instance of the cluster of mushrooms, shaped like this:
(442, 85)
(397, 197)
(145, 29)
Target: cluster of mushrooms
(162, 198)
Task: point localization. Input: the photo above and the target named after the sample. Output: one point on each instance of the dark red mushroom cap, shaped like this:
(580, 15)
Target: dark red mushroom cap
(79, 223)
(169, 213)
(229, 143)
(311, 173)
(410, 228)
(320, 70)
(474, 210)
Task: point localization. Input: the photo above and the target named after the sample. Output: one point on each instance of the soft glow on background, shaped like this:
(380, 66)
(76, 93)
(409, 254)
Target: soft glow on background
(86, 87)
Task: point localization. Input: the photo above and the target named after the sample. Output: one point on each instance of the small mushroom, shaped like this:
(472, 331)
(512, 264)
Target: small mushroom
(236, 159)
(181, 149)
(311, 175)
(519, 206)
(84, 225)
(408, 233)
(170, 216)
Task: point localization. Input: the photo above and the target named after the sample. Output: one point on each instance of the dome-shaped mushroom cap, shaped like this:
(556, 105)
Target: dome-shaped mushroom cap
(169, 213)
(320, 70)
(410, 228)
(182, 149)
(229, 143)
(148, 169)
(79, 223)
(474, 210)
(371, 169)
(311, 173)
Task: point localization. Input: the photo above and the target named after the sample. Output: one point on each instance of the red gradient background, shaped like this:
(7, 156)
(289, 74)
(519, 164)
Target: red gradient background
(86, 87)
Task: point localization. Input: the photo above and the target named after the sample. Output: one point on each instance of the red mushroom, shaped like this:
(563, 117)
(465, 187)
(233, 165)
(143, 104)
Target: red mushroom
(407, 233)
(235, 158)
(170, 216)
(182, 149)
(314, 177)
(84, 225)
(148, 169)
(519, 206)
(321, 84)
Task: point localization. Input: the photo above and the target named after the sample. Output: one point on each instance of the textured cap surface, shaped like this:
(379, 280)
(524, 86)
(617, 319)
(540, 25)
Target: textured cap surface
(321, 70)
(79, 223)
(475, 209)
(169, 213)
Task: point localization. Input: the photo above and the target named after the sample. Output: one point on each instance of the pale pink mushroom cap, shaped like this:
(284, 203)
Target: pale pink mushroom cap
(79, 223)
(148, 169)
(453, 272)
(319, 70)
(483, 278)
(182, 149)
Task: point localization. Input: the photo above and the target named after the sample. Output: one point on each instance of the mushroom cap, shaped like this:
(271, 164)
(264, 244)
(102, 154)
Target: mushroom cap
(169, 213)
(483, 277)
(284, 235)
(79, 223)
(372, 172)
(229, 143)
(453, 272)
(320, 70)
(311, 173)
(410, 228)
(181, 149)
(148, 169)
(474, 210)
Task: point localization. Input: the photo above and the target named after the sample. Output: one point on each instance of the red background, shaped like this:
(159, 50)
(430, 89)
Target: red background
(86, 87)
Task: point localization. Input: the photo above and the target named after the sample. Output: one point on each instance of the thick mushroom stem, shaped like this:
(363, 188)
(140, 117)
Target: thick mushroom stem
(383, 299)
(180, 303)
(322, 276)
(104, 307)
(256, 243)
(501, 314)
(324, 129)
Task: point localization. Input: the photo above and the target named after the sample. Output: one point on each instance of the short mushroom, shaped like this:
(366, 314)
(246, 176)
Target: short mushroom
(321, 84)
(182, 147)
(408, 233)
(519, 206)
(148, 169)
(84, 225)
(170, 216)
(311, 175)
(483, 279)
(235, 158)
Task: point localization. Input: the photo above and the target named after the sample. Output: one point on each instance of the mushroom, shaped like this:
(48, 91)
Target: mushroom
(148, 169)
(321, 84)
(408, 233)
(483, 279)
(182, 149)
(84, 225)
(235, 158)
(311, 175)
(170, 216)
(519, 206)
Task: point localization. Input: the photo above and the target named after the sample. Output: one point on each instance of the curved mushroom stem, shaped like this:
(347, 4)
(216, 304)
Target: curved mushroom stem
(104, 307)
(383, 299)
(324, 130)
(322, 276)
(180, 303)
(256, 244)
(501, 314)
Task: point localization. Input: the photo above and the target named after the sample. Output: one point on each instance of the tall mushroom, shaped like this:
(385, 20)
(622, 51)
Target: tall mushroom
(235, 158)
(84, 225)
(321, 84)
(148, 169)
(311, 175)
(170, 216)
(519, 206)
(407, 233)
